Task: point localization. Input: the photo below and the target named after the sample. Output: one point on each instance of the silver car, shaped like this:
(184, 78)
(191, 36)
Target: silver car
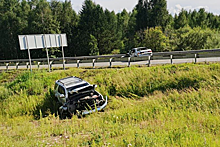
(77, 96)
(140, 52)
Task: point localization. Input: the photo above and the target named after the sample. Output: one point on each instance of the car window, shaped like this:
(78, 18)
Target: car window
(140, 49)
(61, 90)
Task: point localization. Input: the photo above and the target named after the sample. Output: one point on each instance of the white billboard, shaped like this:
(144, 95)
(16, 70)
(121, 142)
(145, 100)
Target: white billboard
(42, 41)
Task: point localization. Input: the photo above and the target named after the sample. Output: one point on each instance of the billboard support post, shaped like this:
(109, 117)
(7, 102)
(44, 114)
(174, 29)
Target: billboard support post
(62, 52)
(29, 55)
(48, 59)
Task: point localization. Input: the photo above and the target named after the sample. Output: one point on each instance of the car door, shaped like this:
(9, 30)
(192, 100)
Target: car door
(133, 53)
(61, 94)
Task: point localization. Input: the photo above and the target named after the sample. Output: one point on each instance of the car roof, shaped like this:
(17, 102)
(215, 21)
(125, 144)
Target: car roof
(71, 81)
(140, 48)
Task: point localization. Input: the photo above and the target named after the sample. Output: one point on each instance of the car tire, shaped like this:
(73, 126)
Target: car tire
(64, 115)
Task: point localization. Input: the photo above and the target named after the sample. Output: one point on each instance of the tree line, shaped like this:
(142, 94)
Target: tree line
(95, 31)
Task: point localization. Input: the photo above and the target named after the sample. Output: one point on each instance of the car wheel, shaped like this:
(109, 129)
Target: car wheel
(64, 114)
(61, 114)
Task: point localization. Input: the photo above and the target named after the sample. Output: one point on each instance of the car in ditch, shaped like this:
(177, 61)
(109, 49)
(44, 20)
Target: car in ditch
(139, 52)
(77, 96)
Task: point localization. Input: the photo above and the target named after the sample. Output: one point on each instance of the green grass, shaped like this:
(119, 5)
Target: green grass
(170, 105)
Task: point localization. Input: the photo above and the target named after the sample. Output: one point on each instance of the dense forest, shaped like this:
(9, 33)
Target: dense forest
(95, 31)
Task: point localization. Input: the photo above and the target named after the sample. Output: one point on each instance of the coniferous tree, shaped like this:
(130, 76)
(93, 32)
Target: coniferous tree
(68, 20)
(122, 23)
(109, 39)
(42, 20)
(193, 19)
(201, 20)
(159, 13)
(100, 24)
(91, 18)
(23, 15)
(215, 24)
(11, 25)
(122, 28)
(141, 17)
(83, 29)
(181, 20)
(210, 20)
(57, 9)
(129, 40)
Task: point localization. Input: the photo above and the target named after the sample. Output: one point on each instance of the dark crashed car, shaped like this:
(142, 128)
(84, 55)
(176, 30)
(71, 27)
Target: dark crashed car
(77, 96)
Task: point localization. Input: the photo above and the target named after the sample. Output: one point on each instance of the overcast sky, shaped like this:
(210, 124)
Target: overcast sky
(174, 6)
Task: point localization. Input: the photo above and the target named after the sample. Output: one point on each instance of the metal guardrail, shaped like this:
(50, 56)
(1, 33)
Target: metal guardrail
(113, 56)
(110, 57)
(185, 52)
(66, 58)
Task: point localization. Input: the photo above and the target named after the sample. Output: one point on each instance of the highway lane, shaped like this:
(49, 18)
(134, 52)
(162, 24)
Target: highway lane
(121, 63)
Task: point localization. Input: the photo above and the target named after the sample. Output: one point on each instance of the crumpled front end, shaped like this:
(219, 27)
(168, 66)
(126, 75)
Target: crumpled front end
(95, 107)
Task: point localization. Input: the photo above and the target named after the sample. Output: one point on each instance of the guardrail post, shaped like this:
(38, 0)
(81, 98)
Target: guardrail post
(78, 61)
(93, 63)
(50, 65)
(38, 65)
(195, 58)
(27, 63)
(17, 65)
(7, 64)
(129, 61)
(64, 61)
(171, 59)
(110, 62)
(149, 61)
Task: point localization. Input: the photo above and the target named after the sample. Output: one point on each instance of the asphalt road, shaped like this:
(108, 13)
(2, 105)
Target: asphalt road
(120, 63)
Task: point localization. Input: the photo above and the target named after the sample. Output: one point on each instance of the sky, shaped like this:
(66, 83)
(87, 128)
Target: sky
(174, 6)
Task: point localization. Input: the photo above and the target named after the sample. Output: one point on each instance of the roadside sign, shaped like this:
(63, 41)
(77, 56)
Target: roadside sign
(39, 41)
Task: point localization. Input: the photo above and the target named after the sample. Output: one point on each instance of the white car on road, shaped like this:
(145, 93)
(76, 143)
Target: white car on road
(140, 52)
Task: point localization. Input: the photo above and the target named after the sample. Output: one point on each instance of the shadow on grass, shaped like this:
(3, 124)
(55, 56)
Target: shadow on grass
(113, 67)
(180, 84)
(49, 106)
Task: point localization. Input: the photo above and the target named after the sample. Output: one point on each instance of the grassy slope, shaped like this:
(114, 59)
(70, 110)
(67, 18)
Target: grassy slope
(172, 105)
